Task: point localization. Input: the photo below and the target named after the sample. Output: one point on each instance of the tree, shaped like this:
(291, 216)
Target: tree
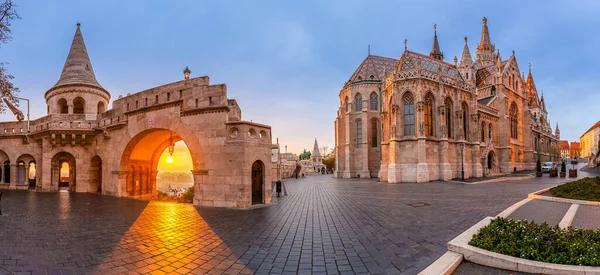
(329, 161)
(7, 90)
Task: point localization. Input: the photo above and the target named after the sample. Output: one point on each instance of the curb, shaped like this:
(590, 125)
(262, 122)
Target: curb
(500, 179)
(460, 245)
(536, 196)
(446, 264)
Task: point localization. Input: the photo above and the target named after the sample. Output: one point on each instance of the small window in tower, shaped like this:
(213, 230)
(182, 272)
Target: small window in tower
(136, 104)
(196, 103)
(168, 96)
(210, 102)
(156, 100)
(146, 102)
(127, 106)
(180, 94)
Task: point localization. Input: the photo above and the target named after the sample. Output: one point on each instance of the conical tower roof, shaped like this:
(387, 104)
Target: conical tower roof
(465, 59)
(435, 48)
(78, 68)
(316, 152)
(485, 34)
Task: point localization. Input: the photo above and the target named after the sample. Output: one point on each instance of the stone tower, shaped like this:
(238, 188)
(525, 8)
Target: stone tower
(77, 91)
(316, 156)
(485, 49)
(466, 64)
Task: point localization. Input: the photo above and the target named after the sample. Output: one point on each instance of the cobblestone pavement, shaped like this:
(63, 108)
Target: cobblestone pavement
(325, 226)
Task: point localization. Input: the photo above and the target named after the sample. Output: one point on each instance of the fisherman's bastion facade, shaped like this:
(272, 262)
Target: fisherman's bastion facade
(116, 151)
(419, 118)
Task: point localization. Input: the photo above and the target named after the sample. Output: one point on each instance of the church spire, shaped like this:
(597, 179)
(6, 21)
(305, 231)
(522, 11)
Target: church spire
(435, 49)
(78, 68)
(465, 59)
(485, 49)
(316, 152)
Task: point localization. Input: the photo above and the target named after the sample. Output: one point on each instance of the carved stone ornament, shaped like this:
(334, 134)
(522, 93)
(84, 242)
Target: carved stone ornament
(420, 106)
(421, 128)
(475, 118)
(458, 113)
(442, 110)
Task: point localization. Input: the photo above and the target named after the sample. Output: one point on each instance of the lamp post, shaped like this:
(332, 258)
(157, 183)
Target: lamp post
(462, 160)
(19, 98)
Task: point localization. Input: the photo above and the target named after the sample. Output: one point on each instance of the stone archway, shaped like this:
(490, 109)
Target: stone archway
(26, 170)
(96, 175)
(491, 163)
(140, 159)
(258, 180)
(63, 172)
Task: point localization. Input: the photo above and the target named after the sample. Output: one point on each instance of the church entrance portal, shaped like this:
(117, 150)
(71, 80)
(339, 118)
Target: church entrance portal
(150, 164)
(257, 182)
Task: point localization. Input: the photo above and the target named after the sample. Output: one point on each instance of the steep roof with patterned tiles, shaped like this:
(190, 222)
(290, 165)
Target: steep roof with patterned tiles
(575, 145)
(374, 68)
(564, 144)
(412, 60)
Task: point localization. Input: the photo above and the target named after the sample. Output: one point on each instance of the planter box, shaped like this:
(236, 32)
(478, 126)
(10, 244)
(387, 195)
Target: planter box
(553, 173)
(572, 173)
(538, 174)
(563, 174)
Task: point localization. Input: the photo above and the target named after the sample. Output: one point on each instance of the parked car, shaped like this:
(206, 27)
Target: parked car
(547, 166)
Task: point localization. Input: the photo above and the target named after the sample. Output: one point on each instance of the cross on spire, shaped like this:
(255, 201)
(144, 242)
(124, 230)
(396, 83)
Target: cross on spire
(369, 50)
(529, 67)
(405, 40)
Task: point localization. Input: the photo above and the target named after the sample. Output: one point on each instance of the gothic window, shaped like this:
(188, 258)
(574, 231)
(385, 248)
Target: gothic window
(465, 118)
(513, 121)
(482, 131)
(78, 105)
(448, 104)
(409, 115)
(373, 102)
(374, 139)
(428, 110)
(359, 133)
(490, 131)
(358, 102)
(467, 75)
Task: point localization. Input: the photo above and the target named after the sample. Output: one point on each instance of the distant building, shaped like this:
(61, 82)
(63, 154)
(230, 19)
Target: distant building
(564, 149)
(575, 150)
(589, 140)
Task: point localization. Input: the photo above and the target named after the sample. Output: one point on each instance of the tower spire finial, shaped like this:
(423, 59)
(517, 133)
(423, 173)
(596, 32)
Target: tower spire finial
(78, 24)
(405, 40)
(369, 50)
(530, 67)
(435, 49)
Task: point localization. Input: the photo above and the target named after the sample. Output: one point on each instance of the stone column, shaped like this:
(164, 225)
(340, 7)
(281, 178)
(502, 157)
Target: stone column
(445, 168)
(364, 172)
(199, 179)
(70, 107)
(422, 166)
(337, 172)
(13, 176)
(347, 172)
(394, 169)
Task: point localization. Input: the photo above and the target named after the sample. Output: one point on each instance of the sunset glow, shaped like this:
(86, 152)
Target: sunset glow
(181, 161)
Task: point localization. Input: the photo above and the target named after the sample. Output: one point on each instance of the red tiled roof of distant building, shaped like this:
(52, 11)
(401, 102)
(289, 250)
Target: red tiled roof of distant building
(564, 144)
(575, 145)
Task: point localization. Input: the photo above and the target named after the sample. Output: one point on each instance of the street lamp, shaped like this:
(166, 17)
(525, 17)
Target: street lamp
(462, 161)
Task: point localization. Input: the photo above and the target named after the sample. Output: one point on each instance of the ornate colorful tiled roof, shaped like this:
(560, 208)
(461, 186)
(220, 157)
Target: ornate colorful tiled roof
(485, 76)
(411, 60)
(373, 68)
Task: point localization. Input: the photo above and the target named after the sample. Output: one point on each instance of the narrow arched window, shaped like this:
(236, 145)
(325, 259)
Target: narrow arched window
(465, 119)
(482, 131)
(490, 131)
(428, 110)
(358, 102)
(448, 104)
(373, 102)
(374, 133)
(513, 121)
(345, 102)
(359, 133)
(409, 115)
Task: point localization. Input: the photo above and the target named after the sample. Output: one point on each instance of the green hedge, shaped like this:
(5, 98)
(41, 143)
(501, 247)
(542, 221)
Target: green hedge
(540, 242)
(584, 189)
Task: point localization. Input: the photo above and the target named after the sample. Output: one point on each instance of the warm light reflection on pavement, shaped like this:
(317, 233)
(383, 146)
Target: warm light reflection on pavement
(170, 238)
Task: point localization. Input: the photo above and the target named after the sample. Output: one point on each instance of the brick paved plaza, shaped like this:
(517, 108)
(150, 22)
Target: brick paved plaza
(324, 226)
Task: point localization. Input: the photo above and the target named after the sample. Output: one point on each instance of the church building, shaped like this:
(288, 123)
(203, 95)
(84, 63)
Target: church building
(419, 118)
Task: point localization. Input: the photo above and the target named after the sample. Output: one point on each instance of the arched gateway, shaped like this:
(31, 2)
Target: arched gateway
(81, 147)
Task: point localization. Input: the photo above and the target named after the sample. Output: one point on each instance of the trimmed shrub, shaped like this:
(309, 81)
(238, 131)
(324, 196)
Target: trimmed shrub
(540, 242)
(583, 189)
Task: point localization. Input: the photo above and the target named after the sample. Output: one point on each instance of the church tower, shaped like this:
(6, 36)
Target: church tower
(466, 64)
(77, 91)
(485, 49)
(316, 156)
(557, 132)
(435, 48)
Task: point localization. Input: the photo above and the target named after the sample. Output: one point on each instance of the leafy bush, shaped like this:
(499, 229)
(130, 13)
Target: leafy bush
(187, 196)
(583, 189)
(540, 242)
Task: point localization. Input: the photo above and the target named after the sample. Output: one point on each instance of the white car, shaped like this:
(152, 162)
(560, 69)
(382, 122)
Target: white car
(547, 166)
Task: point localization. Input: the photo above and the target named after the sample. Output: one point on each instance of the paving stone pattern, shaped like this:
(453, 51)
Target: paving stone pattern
(324, 226)
(587, 216)
(542, 211)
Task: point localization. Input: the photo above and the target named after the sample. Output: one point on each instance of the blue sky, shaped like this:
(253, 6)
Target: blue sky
(286, 61)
